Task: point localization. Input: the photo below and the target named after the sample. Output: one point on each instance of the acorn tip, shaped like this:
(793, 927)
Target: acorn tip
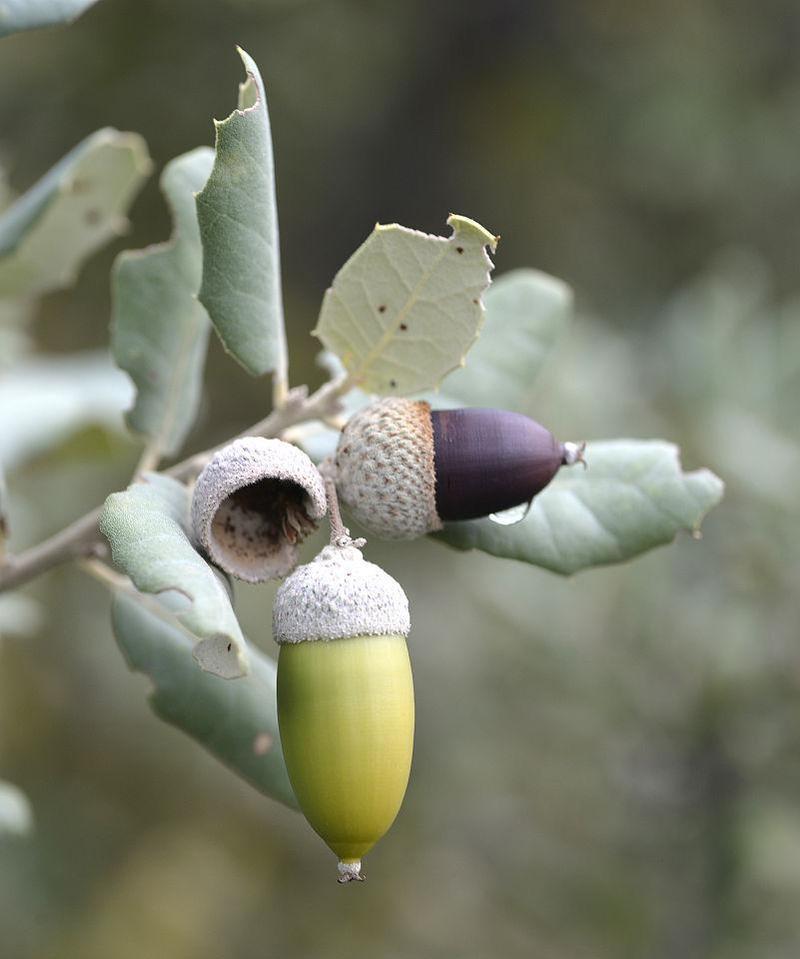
(350, 871)
(573, 453)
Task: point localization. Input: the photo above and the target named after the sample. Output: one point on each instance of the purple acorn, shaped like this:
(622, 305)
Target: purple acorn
(403, 469)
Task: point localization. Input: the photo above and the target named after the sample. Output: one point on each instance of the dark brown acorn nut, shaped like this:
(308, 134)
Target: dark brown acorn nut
(253, 503)
(403, 469)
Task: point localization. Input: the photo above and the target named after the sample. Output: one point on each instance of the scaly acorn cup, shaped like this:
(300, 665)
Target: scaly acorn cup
(253, 503)
(345, 698)
(403, 469)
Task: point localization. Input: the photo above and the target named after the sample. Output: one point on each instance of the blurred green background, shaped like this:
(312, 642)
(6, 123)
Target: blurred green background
(607, 766)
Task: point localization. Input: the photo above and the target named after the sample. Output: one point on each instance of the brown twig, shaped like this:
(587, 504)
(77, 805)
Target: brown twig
(83, 538)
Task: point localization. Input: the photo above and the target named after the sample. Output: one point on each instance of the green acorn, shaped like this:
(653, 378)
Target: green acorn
(345, 698)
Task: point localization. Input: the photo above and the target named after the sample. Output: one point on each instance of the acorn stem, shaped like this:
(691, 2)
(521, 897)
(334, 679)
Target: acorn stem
(340, 534)
(338, 529)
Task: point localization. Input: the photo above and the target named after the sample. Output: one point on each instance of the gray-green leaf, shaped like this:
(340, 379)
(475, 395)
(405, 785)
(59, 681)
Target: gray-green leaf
(16, 817)
(16, 15)
(159, 331)
(526, 313)
(45, 399)
(146, 526)
(405, 308)
(237, 722)
(633, 497)
(238, 217)
(77, 207)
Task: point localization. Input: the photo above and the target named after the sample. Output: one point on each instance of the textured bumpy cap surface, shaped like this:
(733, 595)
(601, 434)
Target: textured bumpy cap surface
(339, 594)
(253, 503)
(385, 469)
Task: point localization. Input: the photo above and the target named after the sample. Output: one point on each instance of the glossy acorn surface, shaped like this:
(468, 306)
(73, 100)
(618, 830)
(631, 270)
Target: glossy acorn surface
(489, 460)
(404, 470)
(346, 717)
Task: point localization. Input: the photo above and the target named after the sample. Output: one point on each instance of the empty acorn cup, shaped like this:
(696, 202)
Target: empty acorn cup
(253, 504)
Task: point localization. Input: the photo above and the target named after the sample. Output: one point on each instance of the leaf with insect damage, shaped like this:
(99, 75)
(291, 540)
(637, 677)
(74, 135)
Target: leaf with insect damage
(406, 307)
(238, 216)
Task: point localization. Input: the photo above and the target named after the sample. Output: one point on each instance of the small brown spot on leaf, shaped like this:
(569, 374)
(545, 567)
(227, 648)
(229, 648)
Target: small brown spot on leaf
(404, 326)
(459, 249)
(262, 744)
(229, 646)
(382, 308)
(393, 383)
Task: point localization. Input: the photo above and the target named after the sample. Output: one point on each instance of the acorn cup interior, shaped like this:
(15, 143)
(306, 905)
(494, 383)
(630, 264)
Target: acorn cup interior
(257, 521)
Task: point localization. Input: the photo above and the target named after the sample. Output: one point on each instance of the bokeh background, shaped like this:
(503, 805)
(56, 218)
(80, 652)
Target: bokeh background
(607, 766)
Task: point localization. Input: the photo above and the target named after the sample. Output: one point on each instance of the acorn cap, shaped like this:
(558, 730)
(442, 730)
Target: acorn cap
(336, 596)
(253, 503)
(385, 469)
